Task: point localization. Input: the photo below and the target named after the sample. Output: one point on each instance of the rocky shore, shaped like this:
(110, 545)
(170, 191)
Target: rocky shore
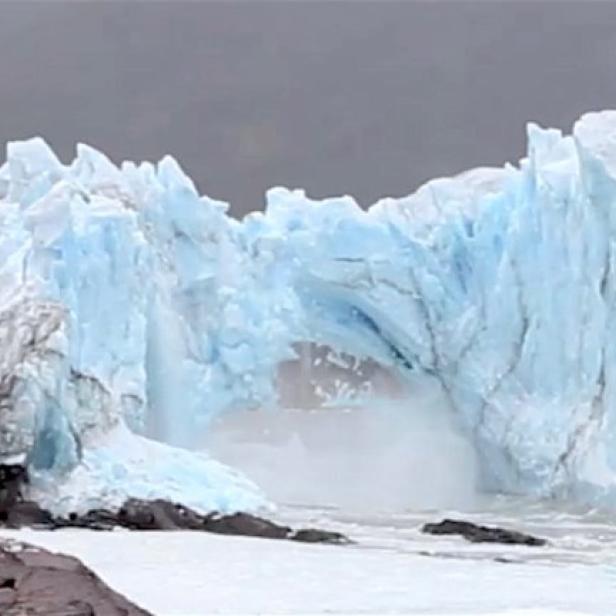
(135, 514)
(36, 582)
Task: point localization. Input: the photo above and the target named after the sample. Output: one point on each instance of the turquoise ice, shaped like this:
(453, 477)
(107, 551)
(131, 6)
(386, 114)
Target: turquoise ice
(128, 299)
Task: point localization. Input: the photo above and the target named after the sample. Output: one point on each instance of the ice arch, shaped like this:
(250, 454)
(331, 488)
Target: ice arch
(126, 297)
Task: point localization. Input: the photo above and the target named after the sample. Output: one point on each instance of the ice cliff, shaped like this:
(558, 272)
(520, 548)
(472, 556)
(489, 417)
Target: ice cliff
(128, 300)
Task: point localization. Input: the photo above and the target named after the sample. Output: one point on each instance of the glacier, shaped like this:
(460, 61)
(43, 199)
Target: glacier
(132, 307)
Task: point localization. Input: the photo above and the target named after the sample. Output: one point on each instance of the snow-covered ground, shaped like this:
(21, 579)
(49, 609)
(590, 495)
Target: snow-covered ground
(193, 574)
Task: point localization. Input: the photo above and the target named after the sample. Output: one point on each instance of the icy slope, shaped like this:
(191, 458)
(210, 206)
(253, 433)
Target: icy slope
(125, 297)
(97, 266)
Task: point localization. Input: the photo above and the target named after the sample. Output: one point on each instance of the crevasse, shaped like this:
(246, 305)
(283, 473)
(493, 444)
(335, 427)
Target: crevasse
(128, 300)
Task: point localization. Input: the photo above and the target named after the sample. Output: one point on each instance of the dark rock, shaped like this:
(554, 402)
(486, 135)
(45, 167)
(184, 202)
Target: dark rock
(138, 514)
(12, 479)
(314, 535)
(158, 515)
(14, 511)
(28, 513)
(481, 534)
(245, 524)
(144, 515)
(7, 598)
(36, 582)
(95, 519)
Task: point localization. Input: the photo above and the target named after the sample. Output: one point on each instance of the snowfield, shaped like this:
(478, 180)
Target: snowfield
(180, 574)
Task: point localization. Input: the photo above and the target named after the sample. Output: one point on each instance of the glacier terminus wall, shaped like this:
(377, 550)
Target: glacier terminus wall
(130, 305)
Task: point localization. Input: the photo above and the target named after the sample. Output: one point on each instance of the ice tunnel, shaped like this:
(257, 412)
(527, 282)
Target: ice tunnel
(128, 300)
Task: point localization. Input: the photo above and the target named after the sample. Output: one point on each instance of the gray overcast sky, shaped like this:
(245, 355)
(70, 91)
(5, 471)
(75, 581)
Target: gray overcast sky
(367, 98)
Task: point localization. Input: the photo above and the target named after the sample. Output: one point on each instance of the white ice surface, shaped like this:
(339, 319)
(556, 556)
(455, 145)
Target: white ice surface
(180, 574)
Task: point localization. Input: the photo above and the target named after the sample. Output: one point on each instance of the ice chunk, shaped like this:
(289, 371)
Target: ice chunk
(123, 465)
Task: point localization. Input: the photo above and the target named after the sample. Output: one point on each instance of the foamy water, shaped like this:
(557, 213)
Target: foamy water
(379, 474)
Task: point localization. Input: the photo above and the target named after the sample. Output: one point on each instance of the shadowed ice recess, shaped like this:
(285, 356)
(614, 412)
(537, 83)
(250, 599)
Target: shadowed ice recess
(131, 307)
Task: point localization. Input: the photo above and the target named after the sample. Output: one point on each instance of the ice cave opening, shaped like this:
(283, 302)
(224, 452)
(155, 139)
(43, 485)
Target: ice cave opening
(352, 434)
